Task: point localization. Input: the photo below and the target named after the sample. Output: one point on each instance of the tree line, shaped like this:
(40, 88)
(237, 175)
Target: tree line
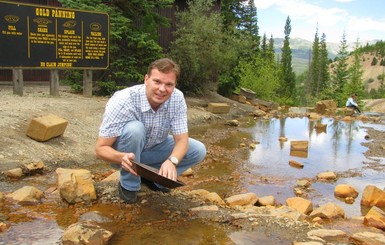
(221, 51)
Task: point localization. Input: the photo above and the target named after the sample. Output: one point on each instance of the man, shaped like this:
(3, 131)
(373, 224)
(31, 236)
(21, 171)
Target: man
(136, 126)
(351, 103)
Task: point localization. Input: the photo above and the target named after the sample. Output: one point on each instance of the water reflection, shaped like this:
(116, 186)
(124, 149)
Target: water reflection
(337, 147)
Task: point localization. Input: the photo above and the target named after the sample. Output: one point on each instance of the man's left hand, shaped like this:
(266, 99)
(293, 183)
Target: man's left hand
(168, 170)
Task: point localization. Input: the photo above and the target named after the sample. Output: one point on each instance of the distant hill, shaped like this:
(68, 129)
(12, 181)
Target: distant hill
(301, 51)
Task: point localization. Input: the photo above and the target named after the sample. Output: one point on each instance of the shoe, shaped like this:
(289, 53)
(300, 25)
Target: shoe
(126, 195)
(154, 186)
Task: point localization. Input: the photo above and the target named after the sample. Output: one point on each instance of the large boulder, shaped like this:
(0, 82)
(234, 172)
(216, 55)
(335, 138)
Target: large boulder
(326, 107)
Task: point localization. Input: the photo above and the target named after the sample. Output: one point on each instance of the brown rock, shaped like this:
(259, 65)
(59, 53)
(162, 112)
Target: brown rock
(344, 190)
(375, 217)
(373, 196)
(46, 127)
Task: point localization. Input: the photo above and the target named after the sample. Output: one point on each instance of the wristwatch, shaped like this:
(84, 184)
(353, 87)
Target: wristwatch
(174, 160)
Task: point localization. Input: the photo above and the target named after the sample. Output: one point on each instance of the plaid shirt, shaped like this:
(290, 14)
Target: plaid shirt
(131, 104)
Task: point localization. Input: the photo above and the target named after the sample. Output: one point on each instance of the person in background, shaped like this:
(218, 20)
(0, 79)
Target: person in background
(352, 103)
(148, 123)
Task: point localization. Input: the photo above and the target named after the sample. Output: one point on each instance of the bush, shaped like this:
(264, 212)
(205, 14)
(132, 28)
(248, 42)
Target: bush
(374, 61)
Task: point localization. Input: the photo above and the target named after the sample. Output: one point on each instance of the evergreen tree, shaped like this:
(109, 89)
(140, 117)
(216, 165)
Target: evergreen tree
(355, 84)
(340, 73)
(323, 77)
(314, 68)
(248, 28)
(374, 61)
(231, 11)
(264, 45)
(287, 87)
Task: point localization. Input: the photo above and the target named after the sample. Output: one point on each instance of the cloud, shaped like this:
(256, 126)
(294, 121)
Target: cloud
(301, 10)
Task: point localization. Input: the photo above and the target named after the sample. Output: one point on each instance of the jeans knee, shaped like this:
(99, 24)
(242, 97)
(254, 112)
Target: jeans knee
(133, 130)
(200, 151)
(133, 136)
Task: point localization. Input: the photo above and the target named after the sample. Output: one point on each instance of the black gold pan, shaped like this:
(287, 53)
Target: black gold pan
(151, 174)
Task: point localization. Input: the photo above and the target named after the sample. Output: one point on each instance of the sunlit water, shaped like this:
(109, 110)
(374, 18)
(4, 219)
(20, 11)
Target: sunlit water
(338, 148)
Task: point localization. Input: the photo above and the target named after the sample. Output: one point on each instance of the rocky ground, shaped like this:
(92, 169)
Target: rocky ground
(75, 149)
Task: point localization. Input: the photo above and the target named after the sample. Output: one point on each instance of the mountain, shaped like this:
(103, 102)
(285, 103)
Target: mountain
(301, 51)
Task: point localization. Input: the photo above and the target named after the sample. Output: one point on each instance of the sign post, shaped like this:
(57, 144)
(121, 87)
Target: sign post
(43, 37)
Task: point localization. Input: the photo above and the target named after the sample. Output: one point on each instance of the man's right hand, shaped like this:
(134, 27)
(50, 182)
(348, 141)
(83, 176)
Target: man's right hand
(126, 164)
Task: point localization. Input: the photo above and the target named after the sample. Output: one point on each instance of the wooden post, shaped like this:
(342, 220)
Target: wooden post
(87, 83)
(54, 83)
(17, 77)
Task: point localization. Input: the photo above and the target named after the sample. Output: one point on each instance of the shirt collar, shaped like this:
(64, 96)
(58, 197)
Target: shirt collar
(146, 105)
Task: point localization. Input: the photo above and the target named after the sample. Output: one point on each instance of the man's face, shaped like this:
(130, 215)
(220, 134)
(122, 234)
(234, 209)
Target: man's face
(159, 87)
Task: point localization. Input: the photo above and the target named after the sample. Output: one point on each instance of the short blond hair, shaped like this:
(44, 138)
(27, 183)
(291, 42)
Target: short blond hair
(164, 65)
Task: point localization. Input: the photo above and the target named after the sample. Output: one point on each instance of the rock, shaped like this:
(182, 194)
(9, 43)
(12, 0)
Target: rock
(27, 195)
(213, 197)
(304, 183)
(288, 212)
(232, 123)
(94, 216)
(188, 172)
(218, 108)
(300, 204)
(4, 226)
(242, 199)
(373, 196)
(75, 185)
(328, 211)
(295, 164)
(14, 173)
(376, 218)
(114, 177)
(46, 127)
(266, 201)
(368, 238)
(35, 167)
(325, 107)
(86, 233)
(329, 235)
(344, 190)
(327, 176)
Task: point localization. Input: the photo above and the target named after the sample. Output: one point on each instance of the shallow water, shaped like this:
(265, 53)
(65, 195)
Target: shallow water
(338, 148)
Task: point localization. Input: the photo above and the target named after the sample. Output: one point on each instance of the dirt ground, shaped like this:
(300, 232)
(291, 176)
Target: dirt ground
(76, 145)
(75, 149)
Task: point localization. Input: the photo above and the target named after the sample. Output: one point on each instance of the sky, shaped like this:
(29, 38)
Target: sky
(362, 20)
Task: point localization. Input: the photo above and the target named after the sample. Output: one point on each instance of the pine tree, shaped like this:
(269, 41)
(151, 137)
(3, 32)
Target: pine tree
(355, 84)
(287, 87)
(340, 73)
(323, 76)
(249, 24)
(314, 68)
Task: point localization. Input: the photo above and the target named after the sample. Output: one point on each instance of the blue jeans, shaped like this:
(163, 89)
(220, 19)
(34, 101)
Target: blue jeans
(133, 139)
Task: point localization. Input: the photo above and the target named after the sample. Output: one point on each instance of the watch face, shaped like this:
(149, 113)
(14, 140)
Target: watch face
(174, 160)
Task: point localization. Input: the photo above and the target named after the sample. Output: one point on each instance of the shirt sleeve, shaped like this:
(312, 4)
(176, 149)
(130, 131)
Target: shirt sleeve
(116, 115)
(179, 123)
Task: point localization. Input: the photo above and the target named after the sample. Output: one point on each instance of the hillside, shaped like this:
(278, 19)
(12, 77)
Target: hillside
(301, 51)
(371, 73)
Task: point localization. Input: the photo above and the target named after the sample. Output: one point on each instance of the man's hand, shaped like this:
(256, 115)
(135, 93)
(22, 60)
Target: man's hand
(126, 164)
(168, 170)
